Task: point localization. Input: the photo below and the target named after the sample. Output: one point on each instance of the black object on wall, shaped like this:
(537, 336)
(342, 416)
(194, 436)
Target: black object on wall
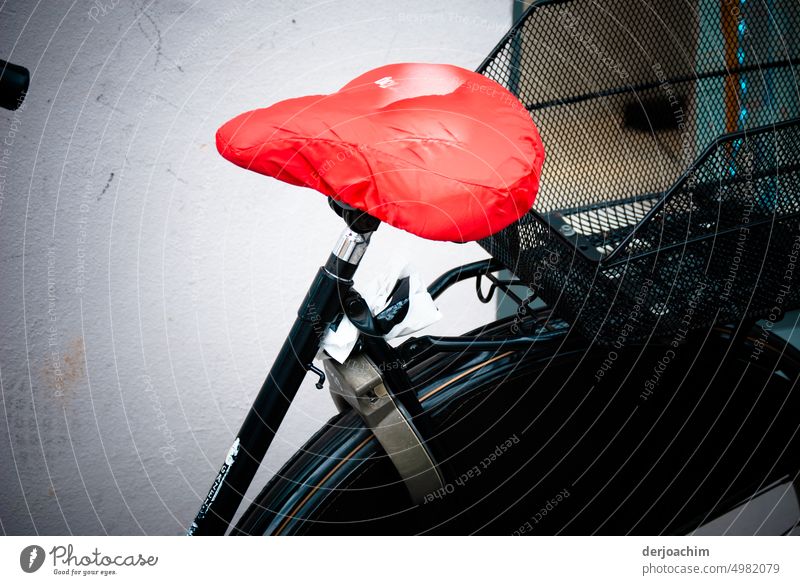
(14, 82)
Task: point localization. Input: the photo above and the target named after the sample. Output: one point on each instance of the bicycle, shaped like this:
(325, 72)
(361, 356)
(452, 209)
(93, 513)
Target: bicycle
(628, 403)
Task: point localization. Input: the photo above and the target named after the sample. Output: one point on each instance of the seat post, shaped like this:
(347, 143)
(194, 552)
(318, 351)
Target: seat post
(353, 241)
(347, 253)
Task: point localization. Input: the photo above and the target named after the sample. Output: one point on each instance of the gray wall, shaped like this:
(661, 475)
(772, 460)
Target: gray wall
(146, 283)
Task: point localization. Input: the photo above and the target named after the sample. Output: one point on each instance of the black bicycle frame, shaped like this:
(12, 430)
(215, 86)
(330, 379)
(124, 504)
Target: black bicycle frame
(321, 308)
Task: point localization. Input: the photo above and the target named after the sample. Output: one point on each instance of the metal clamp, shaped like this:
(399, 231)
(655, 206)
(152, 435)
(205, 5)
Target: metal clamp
(358, 384)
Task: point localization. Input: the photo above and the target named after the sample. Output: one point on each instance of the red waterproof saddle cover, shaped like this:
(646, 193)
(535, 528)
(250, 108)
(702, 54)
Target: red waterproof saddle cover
(437, 150)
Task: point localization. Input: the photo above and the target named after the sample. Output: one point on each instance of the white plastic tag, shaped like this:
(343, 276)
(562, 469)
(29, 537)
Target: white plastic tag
(421, 310)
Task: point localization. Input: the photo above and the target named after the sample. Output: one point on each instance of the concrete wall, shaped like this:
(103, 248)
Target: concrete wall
(147, 284)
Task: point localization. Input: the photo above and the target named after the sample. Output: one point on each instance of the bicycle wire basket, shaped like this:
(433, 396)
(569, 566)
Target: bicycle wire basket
(670, 194)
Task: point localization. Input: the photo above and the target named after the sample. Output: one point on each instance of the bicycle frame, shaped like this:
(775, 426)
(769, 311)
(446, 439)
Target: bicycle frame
(321, 308)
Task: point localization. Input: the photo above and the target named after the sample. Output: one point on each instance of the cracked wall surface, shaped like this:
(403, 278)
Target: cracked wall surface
(146, 283)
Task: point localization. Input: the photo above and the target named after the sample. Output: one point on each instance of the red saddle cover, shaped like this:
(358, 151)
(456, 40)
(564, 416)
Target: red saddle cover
(437, 150)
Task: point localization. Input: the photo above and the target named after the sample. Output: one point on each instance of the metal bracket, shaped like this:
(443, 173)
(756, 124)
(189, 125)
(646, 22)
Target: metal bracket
(358, 384)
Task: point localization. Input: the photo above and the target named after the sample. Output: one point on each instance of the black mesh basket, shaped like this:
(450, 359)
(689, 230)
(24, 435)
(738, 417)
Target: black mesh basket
(670, 195)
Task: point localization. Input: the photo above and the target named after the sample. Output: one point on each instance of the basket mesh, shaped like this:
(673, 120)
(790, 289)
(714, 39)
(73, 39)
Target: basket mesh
(670, 195)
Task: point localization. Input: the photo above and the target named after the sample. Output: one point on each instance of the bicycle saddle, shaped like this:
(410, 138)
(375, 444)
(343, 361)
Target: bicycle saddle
(436, 150)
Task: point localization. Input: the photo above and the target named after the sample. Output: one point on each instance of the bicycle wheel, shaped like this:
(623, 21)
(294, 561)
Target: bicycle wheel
(565, 438)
